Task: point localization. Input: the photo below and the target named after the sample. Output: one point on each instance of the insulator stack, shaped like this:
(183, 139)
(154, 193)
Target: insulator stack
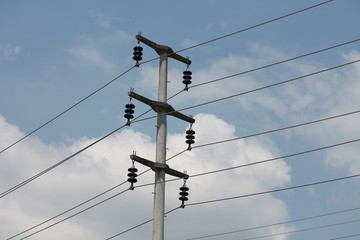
(129, 111)
(183, 195)
(137, 54)
(187, 78)
(190, 138)
(132, 176)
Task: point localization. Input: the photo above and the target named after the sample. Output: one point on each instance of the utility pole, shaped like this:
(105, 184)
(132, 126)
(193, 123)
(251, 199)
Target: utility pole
(163, 109)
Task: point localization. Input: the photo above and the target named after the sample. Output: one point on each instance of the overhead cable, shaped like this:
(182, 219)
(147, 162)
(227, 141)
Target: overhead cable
(243, 196)
(271, 85)
(198, 105)
(347, 236)
(3, 194)
(151, 184)
(274, 224)
(219, 170)
(245, 29)
(73, 215)
(302, 230)
(14, 188)
(274, 64)
(139, 225)
(254, 90)
(77, 206)
(278, 129)
(185, 49)
(273, 191)
(66, 110)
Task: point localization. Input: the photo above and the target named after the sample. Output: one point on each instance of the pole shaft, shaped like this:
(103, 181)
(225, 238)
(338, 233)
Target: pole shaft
(159, 189)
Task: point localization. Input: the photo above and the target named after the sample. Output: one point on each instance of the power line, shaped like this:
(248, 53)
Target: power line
(245, 29)
(255, 26)
(353, 235)
(266, 66)
(274, 64)
(66, 110)
(243, 196)
(256, 89)
(219, 170)
(73, 215)
(139, 225)
(43, 172)
(3, 194)
(271, 85)
(185, 49)
(79, 205)
(302, 230)
(274, 191)
(150, 184)
(278, 129)
(202, 104)
(274, 224)
(276, 158)
(226, 169)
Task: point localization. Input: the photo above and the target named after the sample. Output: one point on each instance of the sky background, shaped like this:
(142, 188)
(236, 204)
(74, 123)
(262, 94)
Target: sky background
(55, 53)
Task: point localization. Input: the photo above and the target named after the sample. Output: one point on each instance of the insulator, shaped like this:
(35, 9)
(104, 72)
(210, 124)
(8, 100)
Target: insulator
(187, 78)
(129, 111)
(137, 54)
(190, 137)
(132, 176)
(183, 195)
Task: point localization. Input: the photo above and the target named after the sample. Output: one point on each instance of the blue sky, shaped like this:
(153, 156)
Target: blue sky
(54, 53)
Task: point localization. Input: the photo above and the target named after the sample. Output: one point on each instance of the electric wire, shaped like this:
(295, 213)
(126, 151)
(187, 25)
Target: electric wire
(348, 236)
(73, 215)
(254, 90)
(274, 64)
(274, 190)
(191, 176)
(302, 230)
(266, 66)
(244, 30)
(66, 110)
(184, 49)
(270, 85)
(275, 224)
(247, 195)
(278, 129)
(139, 225)
(276, 158)
(14, 188)
(7, 192)
(194, 106)
(3, 194)
(219, 170)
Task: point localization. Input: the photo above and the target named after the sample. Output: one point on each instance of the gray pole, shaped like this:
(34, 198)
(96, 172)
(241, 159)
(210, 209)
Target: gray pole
(162, 108)
(159, 190)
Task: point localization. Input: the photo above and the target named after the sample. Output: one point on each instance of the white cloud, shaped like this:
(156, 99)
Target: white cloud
(10, 52)
(103, 20)
(188, 43)
(105, 165)
(90, 56)
(217, 26)
(97, 52)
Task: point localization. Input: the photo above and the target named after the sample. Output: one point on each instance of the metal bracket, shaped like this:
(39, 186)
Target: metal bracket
(161, 107)
(159, 166)
(161, 49)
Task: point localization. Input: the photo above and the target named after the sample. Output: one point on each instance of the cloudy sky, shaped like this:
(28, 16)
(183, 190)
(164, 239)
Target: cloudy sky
(53, 54)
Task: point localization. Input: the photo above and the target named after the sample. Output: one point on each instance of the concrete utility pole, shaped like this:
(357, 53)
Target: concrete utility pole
(162, 108)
